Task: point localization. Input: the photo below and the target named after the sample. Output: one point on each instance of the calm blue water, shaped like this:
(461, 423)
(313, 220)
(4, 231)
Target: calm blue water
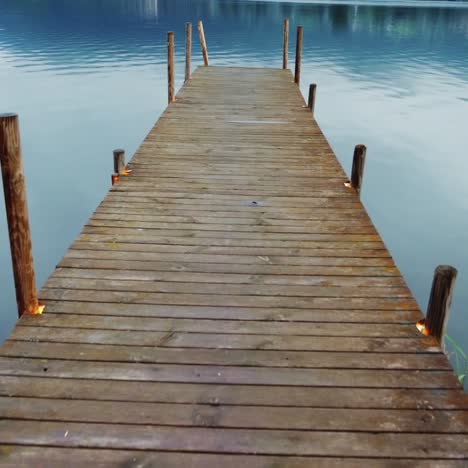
(87, 76)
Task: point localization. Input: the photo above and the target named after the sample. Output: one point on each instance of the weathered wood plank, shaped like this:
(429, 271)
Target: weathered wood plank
(233, 395)
(45, 349)
(228, 374)
(244, 441)
(170, 339)
(251, 417)
(11, 456)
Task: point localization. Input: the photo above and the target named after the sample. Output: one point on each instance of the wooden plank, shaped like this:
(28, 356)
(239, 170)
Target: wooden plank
(233, 395)
(11, 456)
(234, 313)
(45, 349)
(229, 278)
(172, 339)
(244, 441)
(225, 326)
(130, 297)
(228, 374)
(249, 417)
(270, 291)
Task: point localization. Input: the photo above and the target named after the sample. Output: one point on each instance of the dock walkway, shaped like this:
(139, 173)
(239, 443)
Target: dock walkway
(229, 304)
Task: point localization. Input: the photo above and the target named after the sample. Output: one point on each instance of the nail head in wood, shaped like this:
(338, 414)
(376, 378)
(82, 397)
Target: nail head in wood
(201, 33)
(285, 43)
(16, 206)
(357, 172)
(311, 102)
(119, 161)
(170, 68)
(297, 71)
(439, 300)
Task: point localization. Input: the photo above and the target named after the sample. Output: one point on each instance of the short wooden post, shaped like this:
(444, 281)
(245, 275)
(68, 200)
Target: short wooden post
(170, 67)
(311, 103)
(201, 33)
(440, 300)
(357, 172)
(119, 161)
(297, 72)
(188, 50)
(285, 43)
(17, 215)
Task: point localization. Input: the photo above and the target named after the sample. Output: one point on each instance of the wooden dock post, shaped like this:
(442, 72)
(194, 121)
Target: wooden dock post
(440, 300)
(201, 33)
(17, 215)
(297, 71)
(357, 172)
(188, 50)
(311, 102)
(285, 43)
(170, 67)
(119, 161)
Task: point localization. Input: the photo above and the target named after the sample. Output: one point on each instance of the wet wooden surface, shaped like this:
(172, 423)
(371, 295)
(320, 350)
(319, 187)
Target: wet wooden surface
(230, 303)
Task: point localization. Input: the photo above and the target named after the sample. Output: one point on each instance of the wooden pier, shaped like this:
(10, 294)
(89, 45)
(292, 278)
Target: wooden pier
(229, 304)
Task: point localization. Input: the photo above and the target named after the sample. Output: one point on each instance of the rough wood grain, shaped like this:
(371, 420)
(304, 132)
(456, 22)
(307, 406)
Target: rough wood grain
(188, 50)
(285, 43)
(16, 207)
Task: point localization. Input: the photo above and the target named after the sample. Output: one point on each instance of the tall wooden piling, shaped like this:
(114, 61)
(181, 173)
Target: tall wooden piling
(357, 171)
(439, 300)
(201, 33)
(170, 67)
(285, 43)
(311, 101)
(119, 161)
(297, 71)
(188, 50)
(17, 215)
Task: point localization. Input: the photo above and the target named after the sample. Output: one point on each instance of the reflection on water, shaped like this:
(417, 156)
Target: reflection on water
(89, 76)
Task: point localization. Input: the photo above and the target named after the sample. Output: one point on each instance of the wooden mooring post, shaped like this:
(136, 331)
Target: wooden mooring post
(188, 50)
(16, 206)
(201, 33)
(357, 171)
(170, 68)
(119, 161)
(297, 71)
(439, 301)
(285, 43)
(311, 101)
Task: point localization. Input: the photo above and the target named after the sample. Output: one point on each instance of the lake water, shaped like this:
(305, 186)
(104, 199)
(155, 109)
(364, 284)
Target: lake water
(88, 76)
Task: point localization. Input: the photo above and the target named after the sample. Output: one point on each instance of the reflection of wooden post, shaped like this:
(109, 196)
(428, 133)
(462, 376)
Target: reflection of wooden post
(311, 103)
(357, 172)
(440, 300)
(285, 43)
(170, 67)
(201, 33)
(188, 49)
(297, 72)
(119, 161)
(17, 215)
